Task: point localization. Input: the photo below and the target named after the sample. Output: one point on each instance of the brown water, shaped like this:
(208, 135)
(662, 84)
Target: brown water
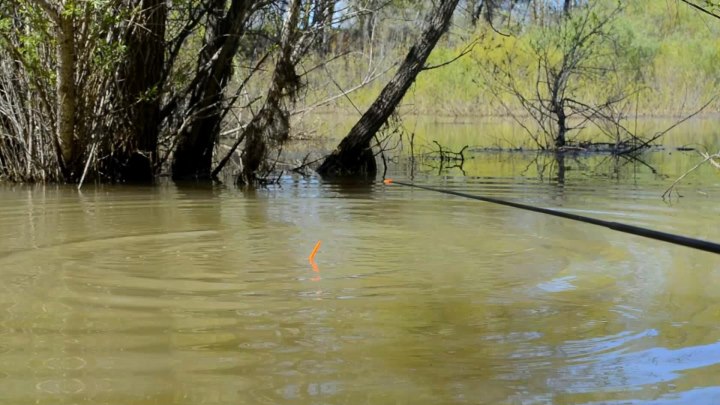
(204, 295)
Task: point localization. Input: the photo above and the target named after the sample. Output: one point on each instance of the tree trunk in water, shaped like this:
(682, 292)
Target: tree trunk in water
(272, 122)
(557, 104)
(193, 157)
(69, 148)
(560, 161)
(354, 157)
(141, 75)
(562, 131)
(562, 126)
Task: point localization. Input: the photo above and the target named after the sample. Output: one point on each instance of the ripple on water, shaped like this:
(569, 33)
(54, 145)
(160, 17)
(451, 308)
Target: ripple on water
(208, 297)
(615, 364)
(697, 395)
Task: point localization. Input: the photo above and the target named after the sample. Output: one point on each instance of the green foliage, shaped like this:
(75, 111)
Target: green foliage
(664, 53)
(667, 49)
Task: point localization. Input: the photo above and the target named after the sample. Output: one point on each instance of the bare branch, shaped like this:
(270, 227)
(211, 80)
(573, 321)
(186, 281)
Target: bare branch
(679, 179)
(464, 52)
(701, 9)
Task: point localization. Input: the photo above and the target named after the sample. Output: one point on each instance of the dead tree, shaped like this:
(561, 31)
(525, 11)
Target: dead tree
(574, 51)
(354, 156)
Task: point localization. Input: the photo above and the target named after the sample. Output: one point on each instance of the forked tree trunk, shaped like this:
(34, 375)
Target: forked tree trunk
(193, 156)
(271, 123)
(354, 157)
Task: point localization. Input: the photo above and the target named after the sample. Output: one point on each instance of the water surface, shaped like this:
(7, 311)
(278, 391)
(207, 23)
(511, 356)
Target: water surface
(204, 295)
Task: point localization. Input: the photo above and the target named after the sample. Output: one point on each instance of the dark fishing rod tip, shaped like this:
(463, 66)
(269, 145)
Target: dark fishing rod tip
(693, 243)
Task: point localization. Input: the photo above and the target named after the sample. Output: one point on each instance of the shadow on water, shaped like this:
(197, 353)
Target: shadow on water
(352, 188)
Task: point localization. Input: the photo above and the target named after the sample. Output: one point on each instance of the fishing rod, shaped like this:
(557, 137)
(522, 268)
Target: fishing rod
(635, 230)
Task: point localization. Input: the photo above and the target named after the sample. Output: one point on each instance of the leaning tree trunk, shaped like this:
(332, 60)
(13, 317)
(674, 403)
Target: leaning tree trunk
(193, 157)
(271, 123)
(354, 157)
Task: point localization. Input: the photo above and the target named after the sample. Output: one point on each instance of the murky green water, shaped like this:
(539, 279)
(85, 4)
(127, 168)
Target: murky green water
(204, 295)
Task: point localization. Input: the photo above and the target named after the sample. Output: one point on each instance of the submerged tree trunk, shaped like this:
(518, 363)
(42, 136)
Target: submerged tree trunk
(558, 109)
(136, 153)
(272, 122)
(193, 157)
(354, 157)
(562, 130)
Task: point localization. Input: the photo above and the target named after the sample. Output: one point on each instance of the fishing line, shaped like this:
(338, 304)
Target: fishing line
(616, 226)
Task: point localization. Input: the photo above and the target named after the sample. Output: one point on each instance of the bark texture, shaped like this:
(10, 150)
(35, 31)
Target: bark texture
(223, 31)
(353, 157)
(271, 125)
(69, 147)
(136, 152)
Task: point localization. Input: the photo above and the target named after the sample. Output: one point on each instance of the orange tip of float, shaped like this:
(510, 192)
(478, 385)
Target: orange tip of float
(388, 182)
(315, 250)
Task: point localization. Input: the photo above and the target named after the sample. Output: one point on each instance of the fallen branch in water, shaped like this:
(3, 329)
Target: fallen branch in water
(660, 134)
(706, 158)
(448, 155)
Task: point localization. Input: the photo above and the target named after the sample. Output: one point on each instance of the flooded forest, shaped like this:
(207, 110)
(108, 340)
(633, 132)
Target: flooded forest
(501, 202)
(126, 91)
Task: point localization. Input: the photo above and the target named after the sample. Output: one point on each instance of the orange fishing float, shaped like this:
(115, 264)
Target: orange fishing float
(388, 182)
(315, 250)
